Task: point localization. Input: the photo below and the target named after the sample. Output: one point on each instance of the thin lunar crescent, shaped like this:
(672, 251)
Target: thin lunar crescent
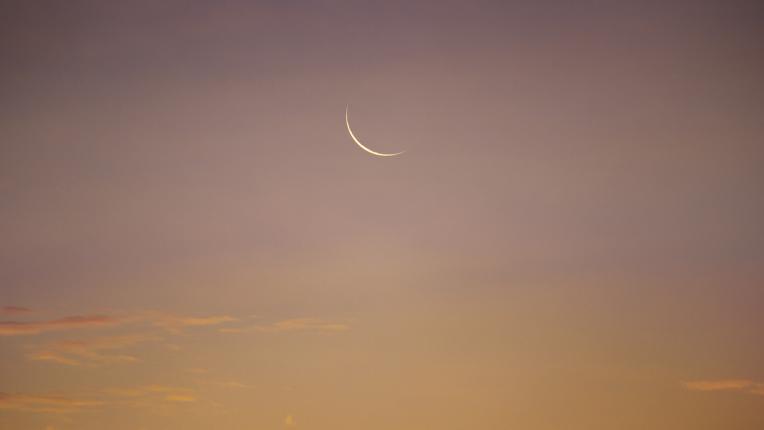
(381, 154)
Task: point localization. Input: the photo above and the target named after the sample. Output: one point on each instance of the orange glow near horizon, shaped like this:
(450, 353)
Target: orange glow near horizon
(191, 238)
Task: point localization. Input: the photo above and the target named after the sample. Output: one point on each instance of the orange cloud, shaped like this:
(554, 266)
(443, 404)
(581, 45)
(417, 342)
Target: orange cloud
(145, 396)
(97, 350)
(226, 384)
(90, 351)
(17, 328)
(744, 385)
(718, 385)
(151, 395)
(45, 404)
(295, 324)
(175, 323)
(180, 398)
(231, 384)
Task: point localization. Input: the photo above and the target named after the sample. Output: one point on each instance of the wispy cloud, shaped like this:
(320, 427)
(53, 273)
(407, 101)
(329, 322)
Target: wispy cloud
(232, 384)
(718, 385)
(227, 384)
(45, 403)
(146, 326)
(203, 377)
(14, 310)
(170, 322)
(175, 323)
(148, 395)
(294, 324)
(19, 328)
(742, 385)
(90, 351)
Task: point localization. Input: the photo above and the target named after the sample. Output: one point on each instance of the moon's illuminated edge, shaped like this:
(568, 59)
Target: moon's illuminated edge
(358, 142)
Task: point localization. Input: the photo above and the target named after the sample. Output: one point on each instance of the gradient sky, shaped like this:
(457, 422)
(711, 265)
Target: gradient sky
(572, 240)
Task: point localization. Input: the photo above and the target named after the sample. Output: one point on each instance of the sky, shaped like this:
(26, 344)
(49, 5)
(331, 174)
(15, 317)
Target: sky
(572, 238)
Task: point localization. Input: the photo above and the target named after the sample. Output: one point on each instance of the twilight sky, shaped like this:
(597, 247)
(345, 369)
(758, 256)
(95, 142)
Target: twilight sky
(572, 240)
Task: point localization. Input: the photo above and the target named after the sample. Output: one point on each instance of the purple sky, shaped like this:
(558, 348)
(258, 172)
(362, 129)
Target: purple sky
(573, 238)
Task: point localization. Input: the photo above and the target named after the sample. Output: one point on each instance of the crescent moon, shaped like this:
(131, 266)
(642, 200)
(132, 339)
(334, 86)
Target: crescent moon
(358, 142)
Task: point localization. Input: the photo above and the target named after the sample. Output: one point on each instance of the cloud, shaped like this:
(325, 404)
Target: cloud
(226, 384)
(231, 384)
(718, 385)
(17, 328)
(180, 398)
(175, 323)
(14, 310)
(96, 350)
(295, 324)
(742, 385)
(141, 390)
(90, 351)
(151, 395)
(45, 404)
(289, 421)
(172, 323)
(757, 389)
(204, 379)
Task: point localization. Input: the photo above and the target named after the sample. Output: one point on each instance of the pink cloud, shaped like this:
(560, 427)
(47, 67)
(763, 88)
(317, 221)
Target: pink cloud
(14, 310)
(18, 328)
(175, 323)
(295, 324)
